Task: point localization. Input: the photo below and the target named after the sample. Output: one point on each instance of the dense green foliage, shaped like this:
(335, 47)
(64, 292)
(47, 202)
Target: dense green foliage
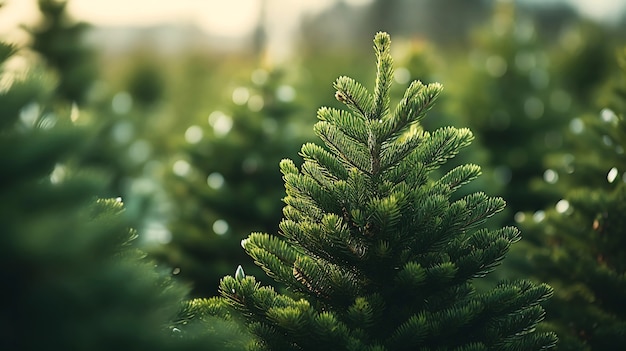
(378, 254)
(74, 279)
(579, 245)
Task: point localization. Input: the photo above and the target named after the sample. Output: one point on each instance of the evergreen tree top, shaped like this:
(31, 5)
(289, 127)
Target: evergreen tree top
(374, 249)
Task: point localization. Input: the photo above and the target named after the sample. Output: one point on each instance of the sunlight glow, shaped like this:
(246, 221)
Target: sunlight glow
(224, 18)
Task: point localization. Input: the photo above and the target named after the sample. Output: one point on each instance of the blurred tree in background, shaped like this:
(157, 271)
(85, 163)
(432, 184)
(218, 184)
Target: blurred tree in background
(512, 101)
(579, 246)
(74, 279)
(61, 43)
(228, 183)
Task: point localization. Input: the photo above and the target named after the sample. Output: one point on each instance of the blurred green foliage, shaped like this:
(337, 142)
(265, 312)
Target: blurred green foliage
(74, 277)
(524, 77)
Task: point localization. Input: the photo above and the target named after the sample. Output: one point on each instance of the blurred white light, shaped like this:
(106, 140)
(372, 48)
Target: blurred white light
(157, 232)
(286, 93)
(550, 176)
(193, 134)
(519, 217)
(576, 126)
(29, 114)
(214, 117)
(402, 75)
(220, 122)
(539, 216)
(608, 115)
(533, 107)
(215, 180)
(220, 227)
(241, 95)
(612, 175)
(142, 186)
(256, 103)
(496, 66)
(58, 174)
(74, 112)
(562, 206)
(122, 103)
(181, 168)
(259, 76)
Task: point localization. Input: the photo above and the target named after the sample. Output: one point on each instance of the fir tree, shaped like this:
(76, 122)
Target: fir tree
(60, 41)
(73, 278)
(377, 253)
(579, 243)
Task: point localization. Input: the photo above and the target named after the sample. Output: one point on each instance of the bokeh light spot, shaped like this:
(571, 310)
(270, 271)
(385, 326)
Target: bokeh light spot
(562, 206)
(256, 103)
(215, 180)
(259, 76)
(240, 95)
(181, 168)
(576, 126)
(612, 175)
(402, 75)
(193, 134)
(220, 227)
(220, 122)
(550, 176)
(121, 103)
(286, 93)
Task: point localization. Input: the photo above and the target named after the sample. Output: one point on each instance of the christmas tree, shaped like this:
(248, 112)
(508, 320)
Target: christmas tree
(60, 41)
(376, 252)
(73, 279)
(579, 242)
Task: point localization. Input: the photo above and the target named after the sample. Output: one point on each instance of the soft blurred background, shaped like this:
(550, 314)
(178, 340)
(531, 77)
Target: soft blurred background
(186, 107)
(196, 101)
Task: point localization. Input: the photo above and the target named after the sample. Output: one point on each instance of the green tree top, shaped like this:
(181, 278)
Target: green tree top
(60, 41)
(377, 253)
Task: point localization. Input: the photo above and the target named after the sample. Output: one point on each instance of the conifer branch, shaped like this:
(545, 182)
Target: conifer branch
(371, 240)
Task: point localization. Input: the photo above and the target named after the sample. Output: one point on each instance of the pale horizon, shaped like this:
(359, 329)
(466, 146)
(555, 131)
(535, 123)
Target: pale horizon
(232, 18)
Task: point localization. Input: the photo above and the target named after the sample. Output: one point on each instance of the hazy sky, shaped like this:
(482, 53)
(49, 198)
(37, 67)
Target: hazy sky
(221, 17)
(224, 17)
